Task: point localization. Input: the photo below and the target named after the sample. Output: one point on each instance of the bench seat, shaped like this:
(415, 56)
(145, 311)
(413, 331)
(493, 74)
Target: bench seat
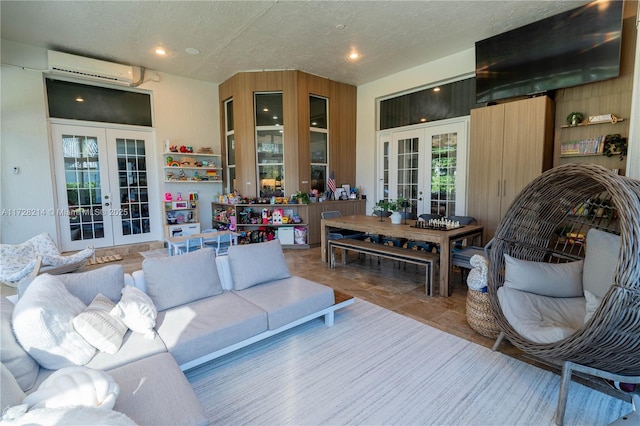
(388, 252)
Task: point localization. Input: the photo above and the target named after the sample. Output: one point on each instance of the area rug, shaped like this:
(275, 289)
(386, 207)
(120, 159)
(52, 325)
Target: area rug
(376, 367)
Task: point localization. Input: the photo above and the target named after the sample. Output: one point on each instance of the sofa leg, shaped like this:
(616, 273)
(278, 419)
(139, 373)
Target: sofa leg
(329, 318)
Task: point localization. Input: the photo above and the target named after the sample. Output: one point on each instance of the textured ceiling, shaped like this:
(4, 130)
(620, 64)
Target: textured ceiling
(235, 36)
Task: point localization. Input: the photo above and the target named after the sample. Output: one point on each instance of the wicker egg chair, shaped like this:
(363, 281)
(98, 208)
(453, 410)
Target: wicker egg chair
(569, 200)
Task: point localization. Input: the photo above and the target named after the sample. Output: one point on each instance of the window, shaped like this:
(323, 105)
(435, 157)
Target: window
(444, 149)
(269, 144)
(435, 103)
(94, 103)
(231, 146)
(319, 142)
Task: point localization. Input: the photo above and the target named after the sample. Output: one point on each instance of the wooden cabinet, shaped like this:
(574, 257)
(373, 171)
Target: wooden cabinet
(510, 144)
(181, 218)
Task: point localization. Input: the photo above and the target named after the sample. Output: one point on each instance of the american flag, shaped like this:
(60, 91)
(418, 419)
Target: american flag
(331, 183)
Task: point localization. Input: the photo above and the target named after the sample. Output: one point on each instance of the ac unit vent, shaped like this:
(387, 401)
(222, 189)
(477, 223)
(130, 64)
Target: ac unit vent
(89, 69)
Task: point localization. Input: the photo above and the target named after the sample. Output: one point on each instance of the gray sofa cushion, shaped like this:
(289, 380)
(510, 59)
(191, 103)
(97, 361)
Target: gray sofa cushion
(13, 356)
(108, 280)
(600, 261)
(10, 392)
(289, 299)
(134, 347)
(177, 280)
(242, 259)
(154, 391)
(204, 326)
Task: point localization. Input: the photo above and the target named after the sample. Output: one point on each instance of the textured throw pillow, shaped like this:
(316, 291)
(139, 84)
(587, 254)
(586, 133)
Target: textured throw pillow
(99, 327)
(42, 323)
(75, 387)
(600, 261)
(545, 279)
(245, 258)
(178, 280)
(137, 311)
(13, 357)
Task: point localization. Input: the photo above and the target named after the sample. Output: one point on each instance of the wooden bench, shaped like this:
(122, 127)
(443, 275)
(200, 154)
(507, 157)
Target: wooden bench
(388, 252)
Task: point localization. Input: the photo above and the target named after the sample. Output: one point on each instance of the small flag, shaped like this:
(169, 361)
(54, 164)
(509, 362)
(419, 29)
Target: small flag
(331, 183)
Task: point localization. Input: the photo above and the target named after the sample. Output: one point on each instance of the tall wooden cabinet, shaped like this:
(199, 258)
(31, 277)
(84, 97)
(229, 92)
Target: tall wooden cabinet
(510, 144)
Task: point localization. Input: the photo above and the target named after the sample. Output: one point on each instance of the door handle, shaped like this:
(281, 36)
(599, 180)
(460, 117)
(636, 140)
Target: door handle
(498, 188)
(504, 188)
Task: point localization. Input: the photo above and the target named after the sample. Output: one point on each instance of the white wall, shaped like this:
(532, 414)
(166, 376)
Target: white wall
(185, 111)
(461, 65)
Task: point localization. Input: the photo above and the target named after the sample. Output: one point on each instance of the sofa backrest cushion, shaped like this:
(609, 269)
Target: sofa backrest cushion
(10, 390)
(13, 356)
(108, 280)
(258, 263)
(42, 322)
(545, 279)
(600, 261)
(176, 280)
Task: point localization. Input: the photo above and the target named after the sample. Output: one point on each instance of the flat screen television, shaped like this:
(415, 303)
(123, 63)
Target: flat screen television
(572, 48)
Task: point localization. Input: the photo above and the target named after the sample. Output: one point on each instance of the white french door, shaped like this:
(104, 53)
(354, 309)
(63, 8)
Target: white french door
(102, 180)
(426, 164)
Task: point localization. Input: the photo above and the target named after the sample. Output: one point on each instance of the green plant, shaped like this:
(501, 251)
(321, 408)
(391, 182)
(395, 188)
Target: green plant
(615, 145)
(575, 118)
(390, 205)
(302, 197)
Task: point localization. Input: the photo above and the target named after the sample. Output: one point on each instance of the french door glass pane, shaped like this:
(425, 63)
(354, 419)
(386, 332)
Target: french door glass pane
(134, 192)
(82, 175)
(408, 170)
(444, 149)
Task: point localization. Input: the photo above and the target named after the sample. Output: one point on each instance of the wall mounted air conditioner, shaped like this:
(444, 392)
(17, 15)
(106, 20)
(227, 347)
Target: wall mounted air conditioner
(89, 69)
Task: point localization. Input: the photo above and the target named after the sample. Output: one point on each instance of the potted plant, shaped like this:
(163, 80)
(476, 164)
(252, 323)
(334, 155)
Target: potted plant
(395, 206)
(615, 145)
(302, 197)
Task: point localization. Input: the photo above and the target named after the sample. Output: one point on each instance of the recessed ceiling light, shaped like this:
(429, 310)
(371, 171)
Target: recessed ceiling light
(160, 51)
(265, 109)
(436, 89)
(353, 56)
(275, 117)
(192, 51)
(423, 120)
(79, 99)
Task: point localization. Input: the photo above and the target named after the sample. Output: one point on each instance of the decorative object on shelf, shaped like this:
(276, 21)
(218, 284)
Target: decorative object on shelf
(302, 198)
(593, 146)
(575, 118)
(205, 150)
(603, 118)
(167, 196)
(615, 144)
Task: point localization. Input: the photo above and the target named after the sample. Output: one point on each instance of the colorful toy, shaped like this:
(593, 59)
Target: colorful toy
(167, 196)
(276, 216)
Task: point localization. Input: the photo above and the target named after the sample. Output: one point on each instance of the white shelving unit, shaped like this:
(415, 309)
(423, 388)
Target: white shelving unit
(207, 168)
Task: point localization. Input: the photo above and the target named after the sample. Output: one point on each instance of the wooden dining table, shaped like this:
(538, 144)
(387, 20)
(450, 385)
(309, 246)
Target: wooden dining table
(374, 225)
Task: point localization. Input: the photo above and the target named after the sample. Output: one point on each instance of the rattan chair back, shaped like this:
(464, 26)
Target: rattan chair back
(547, 222)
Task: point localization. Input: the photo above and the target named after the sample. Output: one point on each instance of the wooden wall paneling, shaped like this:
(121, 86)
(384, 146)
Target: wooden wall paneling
(342, 133)
(291, 123)
(604, 97)
(304, 154)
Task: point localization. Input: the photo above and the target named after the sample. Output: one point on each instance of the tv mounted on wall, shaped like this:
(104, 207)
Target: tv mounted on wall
(572, 48)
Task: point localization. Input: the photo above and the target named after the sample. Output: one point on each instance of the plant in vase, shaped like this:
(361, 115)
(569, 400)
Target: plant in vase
(394, 206)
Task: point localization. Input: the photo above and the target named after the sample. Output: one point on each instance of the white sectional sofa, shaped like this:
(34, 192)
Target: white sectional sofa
(202, 307)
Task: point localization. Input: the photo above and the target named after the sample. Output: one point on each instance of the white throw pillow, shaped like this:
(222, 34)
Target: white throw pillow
(600, 261)
(74, 387)
(545, 279)
(99, 327)
(42, 322)
(137, 311)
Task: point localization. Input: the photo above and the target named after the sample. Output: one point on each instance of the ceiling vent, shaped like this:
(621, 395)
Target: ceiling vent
(89, 69)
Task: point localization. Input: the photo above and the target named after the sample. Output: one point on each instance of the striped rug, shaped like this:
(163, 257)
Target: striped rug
(376, 367)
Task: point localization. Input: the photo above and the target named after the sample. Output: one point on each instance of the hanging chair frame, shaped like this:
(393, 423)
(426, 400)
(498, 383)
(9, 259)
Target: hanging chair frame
(545, 223)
